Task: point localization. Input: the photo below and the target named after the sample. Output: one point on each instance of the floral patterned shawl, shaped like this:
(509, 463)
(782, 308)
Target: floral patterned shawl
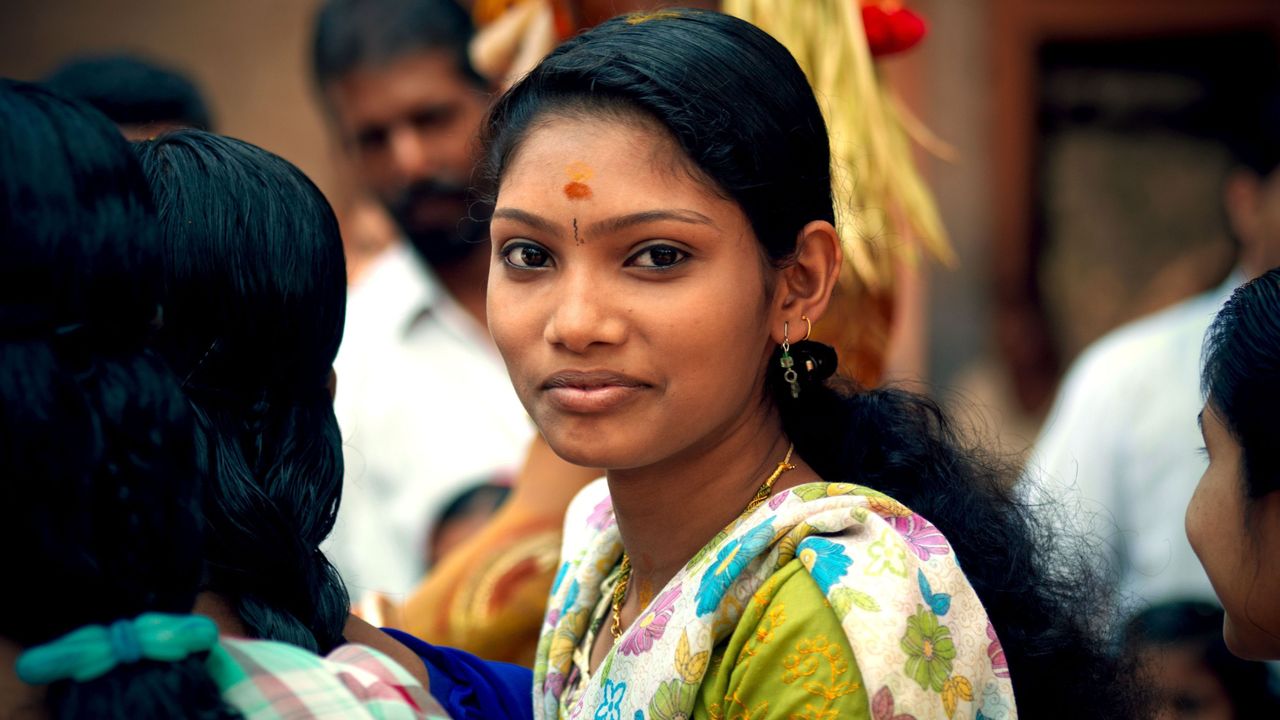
(920, 636)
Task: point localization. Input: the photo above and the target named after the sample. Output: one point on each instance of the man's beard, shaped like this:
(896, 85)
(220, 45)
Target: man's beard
(441, 241)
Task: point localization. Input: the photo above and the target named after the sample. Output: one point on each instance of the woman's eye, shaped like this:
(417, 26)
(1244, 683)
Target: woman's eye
(659, 256)
(526, 256)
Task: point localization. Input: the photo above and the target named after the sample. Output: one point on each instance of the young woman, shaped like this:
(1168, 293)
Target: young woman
(255, 298)
(1233, 521)
(100, 515)
(662, 241)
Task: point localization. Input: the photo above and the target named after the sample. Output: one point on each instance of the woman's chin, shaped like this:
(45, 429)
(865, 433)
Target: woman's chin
(595, 449)
(1248, 641)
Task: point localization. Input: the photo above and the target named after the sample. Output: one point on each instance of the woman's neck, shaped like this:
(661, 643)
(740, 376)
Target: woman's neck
(18, 700)
(668, 511)
(218, 609)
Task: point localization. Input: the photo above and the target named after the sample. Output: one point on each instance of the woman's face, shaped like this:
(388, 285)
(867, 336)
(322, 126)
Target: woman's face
(628, 299)
(1234, 550)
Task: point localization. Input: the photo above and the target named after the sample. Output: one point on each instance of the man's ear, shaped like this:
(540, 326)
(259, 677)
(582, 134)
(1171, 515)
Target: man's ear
(806, 283)
(1240, 198)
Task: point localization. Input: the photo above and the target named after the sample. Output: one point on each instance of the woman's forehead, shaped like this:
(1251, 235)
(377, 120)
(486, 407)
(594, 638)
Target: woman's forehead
(586, 143)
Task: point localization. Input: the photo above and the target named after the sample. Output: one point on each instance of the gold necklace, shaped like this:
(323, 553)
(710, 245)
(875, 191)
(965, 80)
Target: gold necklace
(624, 573)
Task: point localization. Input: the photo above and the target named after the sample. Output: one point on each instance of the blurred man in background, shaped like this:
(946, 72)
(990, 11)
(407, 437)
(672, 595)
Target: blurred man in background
(1121, 444)
(142, 98)
(425, 403)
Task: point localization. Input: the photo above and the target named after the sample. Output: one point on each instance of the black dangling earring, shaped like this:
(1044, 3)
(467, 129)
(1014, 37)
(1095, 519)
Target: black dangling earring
(788, 363)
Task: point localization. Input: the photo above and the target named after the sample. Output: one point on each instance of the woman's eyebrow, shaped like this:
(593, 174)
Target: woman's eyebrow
(622, 222)
(608, 225)
(533, 220)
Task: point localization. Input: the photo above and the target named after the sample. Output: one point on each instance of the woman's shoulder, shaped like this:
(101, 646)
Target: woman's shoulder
(263, 679)
(787, 656)
(893, 584)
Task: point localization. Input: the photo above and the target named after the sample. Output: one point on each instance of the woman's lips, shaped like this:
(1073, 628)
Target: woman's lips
(591, 391)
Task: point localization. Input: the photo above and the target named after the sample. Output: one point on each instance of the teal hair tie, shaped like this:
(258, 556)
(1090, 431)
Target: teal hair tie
(94, 650)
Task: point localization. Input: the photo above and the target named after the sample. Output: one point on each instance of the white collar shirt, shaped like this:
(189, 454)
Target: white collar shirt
(1120, 451)
(426, 410)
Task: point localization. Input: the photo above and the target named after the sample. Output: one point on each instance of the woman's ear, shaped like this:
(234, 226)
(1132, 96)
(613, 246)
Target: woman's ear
(805, 285)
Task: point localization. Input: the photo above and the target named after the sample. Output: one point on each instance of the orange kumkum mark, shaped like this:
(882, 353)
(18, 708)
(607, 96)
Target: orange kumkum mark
(577, 188)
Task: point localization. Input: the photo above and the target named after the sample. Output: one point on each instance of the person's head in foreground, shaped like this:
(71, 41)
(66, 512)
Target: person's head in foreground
(254, 296)
(141, 97)
(405, 102)
(1179, 649)
(662, 239)
(103, 524)
(99, 514)
(1233, 521)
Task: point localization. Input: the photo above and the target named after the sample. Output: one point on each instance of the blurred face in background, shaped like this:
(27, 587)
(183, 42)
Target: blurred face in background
(410, 127)
(1253, 208)
(1182, 685)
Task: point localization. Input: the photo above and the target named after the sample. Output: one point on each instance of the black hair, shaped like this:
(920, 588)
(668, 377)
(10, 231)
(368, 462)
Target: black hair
(99, 512)
(354, 34)
(255, 298)
(740, 108)
(481, 499)
(1254, 132)
(133, 91)
(1198, 626)
(1241, 378)
(484, 497)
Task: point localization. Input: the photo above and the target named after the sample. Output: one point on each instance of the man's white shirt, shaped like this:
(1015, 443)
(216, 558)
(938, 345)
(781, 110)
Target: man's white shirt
(426, 410)
(1121, 451)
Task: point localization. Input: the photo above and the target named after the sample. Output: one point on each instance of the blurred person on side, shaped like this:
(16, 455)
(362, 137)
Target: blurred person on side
(242, 225)
(1179, 649)
(426, 408)
(1119, 448)
(1233, 519)
(143, 98)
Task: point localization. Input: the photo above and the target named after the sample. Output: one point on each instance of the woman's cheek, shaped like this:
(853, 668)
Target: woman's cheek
(511, 325)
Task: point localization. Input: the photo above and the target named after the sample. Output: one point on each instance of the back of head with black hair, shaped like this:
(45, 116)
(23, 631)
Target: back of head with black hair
(132, 91)
(745, 117)
(255, 297)
(1254, 134)
(99, 511)
(353, 34)
(1241, 378)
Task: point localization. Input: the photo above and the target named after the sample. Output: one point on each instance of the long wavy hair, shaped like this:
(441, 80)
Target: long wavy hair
(742, 111)
(100, 507)
(255, 298)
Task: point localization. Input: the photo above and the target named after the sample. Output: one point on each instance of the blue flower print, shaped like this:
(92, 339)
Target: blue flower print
(564, 570)
(729, 563)
(940, 603)
(610, 707)
(825, 560)
(571, 596)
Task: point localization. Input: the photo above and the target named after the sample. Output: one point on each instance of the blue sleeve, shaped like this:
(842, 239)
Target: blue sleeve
(470, 688)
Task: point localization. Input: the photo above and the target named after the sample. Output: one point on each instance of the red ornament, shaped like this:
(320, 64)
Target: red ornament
(891, 28)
